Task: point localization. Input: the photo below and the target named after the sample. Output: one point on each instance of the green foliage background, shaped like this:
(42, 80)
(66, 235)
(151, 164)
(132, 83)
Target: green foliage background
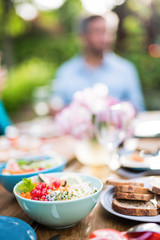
(41, 46)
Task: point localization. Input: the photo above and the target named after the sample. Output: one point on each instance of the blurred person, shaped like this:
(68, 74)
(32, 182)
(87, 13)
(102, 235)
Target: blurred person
(98, 64)
(4, 119)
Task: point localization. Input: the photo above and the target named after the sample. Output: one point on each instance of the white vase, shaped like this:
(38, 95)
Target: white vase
(91, 153)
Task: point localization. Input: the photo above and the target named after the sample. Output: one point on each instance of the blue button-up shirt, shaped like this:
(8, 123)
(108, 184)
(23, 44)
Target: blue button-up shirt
(118, 74)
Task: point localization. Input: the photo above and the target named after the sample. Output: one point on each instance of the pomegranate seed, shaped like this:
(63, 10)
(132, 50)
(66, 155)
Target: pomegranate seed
(43, 197)
(38, 193)
(33, 192)
(44, 191)
(43, 185)
(39, 187)
(56, 184)
(41, 168)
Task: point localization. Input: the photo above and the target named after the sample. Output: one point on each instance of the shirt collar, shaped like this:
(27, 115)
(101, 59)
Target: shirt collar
(83, 63)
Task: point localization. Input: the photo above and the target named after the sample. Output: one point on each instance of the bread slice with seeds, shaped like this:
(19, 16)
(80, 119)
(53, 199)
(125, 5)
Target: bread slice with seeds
(133, 196)
(134, 208)
(131, 189)
(155, 185)
(123, 182)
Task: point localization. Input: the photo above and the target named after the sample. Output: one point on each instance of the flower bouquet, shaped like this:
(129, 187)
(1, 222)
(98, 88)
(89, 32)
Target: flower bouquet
(92, 117)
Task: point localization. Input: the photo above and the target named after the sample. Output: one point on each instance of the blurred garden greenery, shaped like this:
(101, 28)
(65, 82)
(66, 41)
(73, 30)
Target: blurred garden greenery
(33, 50)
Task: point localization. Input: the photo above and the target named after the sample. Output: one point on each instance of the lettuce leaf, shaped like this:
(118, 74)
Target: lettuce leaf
(21, 162)
(26, 186)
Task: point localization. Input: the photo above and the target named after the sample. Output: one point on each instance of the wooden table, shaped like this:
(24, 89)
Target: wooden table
(98, 218)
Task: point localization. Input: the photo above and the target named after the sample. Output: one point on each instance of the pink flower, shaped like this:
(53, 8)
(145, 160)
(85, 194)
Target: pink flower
(94, 99)
(112, 116)
(91, 105)
(112, 101)
(75, 120)
(128, 110)
(122, 113)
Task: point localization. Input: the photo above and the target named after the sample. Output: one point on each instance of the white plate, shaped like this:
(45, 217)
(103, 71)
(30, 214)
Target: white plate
(151, 162)
(107, 198)
(126, 161)
(150, 128)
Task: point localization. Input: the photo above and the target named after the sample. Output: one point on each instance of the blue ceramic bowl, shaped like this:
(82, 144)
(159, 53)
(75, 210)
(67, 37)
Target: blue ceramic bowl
(61, 214)
(9, 181)
(14, 228)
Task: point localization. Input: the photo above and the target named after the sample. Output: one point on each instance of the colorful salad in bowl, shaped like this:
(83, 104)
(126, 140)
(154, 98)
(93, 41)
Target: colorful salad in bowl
(15, 170)
(58, 200)
(28, 165)
(55, 189)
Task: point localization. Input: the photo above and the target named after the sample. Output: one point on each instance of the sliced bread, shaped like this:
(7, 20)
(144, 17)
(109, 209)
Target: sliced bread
(123, 182)
(158, 205)
(155, 185)
(133, 196)
(131, 188)
(134, 208)
(157, 201)
(156, 190)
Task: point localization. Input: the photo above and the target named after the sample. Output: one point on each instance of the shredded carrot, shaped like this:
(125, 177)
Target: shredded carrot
(26, 195)
(5, 171)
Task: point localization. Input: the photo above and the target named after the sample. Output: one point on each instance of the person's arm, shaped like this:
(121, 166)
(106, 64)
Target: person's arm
(135, 92)
(4, 119)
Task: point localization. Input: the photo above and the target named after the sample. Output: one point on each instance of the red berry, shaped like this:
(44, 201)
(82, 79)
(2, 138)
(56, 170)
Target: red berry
(39, 187)
(33, 192)
(49, 187)
(43, 197)
(56, 184)
(43, 185)
(44, 191)
(41, 168)
(38, 193)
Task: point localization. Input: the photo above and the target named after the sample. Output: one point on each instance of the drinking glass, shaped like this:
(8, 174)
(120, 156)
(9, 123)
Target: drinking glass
(110, 132)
